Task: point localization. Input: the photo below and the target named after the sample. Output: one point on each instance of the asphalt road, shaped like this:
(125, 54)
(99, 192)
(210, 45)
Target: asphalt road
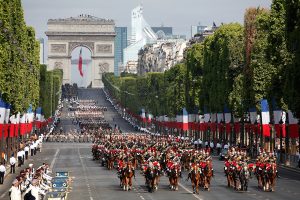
(92, 182)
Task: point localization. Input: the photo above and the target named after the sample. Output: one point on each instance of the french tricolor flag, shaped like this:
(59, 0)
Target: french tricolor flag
(30, 119)
(206, 120)
(279, 115)
(213, 124)
(23, 124)
(150, 116)
(293, 125)
(38, 116)
(185, 120)
(220, 119)
(143, 115)
(265, 117)
(6, 120)
(191, 119)
(179, 121)
(12, 126)
(253, 115)
(2, 116)
(227, 115)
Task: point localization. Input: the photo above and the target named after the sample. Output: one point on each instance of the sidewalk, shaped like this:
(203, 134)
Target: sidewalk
(36, 160)
(291, 167)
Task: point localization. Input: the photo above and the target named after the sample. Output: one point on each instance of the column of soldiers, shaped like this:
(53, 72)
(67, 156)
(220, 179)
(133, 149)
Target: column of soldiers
(90, 119)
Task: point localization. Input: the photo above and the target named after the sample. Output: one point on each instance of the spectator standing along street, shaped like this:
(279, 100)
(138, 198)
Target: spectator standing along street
(2, 173)
(26, 149)
(15, 192)
(12, 162)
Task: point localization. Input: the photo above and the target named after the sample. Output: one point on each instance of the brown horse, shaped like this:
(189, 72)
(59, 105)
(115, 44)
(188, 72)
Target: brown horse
(269, 177)
(208, 174)
(127, 174)
(110, 159)
(231, 174)
(195, 177)
(152, 178)
(174, 177)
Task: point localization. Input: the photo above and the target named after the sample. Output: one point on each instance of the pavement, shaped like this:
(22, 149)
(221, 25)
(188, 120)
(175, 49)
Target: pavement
(93, 182)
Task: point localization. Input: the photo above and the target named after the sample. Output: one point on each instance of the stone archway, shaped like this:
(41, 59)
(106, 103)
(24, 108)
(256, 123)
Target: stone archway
(98, 35)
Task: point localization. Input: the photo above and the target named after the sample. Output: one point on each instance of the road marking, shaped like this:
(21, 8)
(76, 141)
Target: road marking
(2, 196)
(195, 195)
(54, 159)
(85, 175)
(142, 197)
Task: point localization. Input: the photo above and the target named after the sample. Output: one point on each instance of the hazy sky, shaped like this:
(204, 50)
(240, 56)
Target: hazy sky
(180, 14)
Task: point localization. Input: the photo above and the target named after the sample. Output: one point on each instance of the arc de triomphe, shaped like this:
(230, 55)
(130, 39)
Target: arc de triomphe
(98, 35)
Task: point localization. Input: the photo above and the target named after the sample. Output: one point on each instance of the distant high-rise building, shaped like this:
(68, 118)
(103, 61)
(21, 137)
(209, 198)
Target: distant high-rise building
(199, 29)
(120, 45)
(163, 31)
(141, 34)
(42, 52)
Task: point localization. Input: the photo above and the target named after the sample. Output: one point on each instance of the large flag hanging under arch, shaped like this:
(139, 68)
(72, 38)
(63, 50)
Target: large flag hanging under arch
(80, 63)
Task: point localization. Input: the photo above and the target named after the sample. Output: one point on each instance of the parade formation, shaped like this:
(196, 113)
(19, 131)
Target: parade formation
(157, 156)
(91, 109)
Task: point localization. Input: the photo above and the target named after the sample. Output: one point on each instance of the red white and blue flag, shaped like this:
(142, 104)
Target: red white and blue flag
(6, 120)
(185, 120)
(30, 119)
(143, 115)
(2, 116)
(253, 115)
(293, 125)
(265, 117)
(227, 115)
(279, 115)
(80, 63)
(38, 116)
(23, 126)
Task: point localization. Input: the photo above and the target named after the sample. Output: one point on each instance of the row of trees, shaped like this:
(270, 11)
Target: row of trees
(236, 67)
(23, 82)
(50, 89)
(19, 53)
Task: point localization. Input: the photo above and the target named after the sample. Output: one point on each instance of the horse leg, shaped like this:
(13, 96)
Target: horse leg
(130, 183)
(176, 184)
(228, 183)
(193, 185)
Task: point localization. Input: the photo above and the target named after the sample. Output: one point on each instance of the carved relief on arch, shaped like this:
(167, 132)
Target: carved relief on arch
(58, 65)
(104, 67)
(89, 45)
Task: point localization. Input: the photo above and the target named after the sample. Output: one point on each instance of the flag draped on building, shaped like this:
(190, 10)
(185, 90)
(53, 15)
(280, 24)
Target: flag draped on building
(265, 116)
(80, 63)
